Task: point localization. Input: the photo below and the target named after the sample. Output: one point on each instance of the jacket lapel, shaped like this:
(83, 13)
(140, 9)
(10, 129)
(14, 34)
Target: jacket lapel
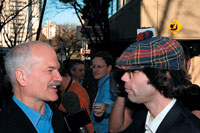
(170, 119)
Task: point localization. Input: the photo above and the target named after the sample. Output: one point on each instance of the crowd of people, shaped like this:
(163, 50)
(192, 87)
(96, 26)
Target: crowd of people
(47, 97)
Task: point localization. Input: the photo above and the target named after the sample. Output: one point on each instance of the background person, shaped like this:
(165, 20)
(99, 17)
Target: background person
(102, 105)
(77, 70)
(33, 71)
(68, 84)
(154, 77)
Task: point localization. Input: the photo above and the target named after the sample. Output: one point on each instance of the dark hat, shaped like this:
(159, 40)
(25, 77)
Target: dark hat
(155, 52)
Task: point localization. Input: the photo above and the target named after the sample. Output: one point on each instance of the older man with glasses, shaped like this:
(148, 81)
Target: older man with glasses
(102, 105)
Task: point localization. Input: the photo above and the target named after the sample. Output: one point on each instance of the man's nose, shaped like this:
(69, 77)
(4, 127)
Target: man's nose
(57, 76)
(125, 77)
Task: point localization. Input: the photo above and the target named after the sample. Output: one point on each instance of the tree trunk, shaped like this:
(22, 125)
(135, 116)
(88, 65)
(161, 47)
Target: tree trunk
(41, 18)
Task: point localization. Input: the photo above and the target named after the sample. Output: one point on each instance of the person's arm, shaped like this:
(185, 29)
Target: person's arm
(105, 101)
(120, 117)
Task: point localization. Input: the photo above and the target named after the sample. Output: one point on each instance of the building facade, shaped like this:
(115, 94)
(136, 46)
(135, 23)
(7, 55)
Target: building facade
(50, 29)
(22, 21)
(133, 14)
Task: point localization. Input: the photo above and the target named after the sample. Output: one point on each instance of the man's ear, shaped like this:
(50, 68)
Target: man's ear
(21, 76)
(168, 74)
(71, 71)
(110, 68)
(188, 64)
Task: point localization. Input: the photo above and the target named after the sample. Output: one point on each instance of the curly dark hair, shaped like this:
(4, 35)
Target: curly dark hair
(170, 83)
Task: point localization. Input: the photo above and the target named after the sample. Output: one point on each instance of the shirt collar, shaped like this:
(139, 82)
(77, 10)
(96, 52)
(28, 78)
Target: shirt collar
(33, 115)
(153, 125)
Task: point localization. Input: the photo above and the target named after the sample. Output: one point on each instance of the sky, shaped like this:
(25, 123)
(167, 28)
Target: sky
(59, 15)
(65, 17)
(57, 12)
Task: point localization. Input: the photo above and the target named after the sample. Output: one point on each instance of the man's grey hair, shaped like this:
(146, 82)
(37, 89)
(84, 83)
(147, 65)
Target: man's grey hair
(18, 57)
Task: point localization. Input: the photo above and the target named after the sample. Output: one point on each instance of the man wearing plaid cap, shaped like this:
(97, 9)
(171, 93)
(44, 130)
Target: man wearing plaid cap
(154, 76)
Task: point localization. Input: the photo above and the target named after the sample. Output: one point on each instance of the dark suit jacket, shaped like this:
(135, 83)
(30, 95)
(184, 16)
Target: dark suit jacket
(177, 120)
(14, 120)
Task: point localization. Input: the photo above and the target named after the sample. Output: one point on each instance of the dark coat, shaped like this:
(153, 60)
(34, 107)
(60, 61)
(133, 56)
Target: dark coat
(177, 120)
(14, 120)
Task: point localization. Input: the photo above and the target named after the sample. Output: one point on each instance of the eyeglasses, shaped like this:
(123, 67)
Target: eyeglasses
(98, 66)
(130, 73)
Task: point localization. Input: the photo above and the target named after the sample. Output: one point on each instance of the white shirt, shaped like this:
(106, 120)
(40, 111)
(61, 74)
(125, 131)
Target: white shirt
(152, 125)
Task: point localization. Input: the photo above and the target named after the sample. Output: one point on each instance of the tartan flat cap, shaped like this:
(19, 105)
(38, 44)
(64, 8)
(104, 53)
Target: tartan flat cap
(155, 52)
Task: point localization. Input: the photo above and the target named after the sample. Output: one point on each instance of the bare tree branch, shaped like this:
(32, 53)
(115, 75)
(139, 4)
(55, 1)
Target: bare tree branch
(7, 18)
(21, 30)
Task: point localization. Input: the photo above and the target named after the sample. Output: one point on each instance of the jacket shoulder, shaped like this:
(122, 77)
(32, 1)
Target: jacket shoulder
(12, 119)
